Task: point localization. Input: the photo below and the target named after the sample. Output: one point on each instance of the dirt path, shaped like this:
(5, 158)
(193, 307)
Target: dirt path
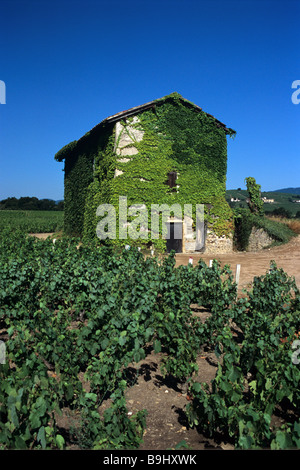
(257, 263)
(42, 236)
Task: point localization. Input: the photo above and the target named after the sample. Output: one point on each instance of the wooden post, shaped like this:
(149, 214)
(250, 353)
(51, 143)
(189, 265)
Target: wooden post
(237, 273)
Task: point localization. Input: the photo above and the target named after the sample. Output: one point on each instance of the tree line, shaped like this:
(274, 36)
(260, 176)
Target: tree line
(284, 213)
(31, 204)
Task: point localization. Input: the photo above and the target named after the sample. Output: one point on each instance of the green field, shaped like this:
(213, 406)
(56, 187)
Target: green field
(284, 200)
(32, 221)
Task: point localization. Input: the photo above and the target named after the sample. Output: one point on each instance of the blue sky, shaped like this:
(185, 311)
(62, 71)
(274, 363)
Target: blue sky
(68, 64)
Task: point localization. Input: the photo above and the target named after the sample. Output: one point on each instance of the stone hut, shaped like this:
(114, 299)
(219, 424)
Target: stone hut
(167, 152)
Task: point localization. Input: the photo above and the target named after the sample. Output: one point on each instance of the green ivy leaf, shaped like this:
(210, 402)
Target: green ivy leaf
(91, 396)
(234, 374)
(20, 443)
(35, 421)
(122, 338)
(197, 387)
(157, 346)
(60, 442)
(41, 437)
(253, 386)
(283, 440)
(12, 414)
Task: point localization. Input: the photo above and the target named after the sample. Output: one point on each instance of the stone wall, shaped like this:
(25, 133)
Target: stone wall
(258, 239)
(217, 245)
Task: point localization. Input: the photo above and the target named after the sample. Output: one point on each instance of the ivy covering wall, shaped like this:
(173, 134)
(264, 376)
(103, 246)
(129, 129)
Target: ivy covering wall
(176, 137)
(80, 161)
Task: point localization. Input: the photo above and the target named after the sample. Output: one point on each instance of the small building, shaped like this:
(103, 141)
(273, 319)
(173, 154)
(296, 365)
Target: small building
(268, 201)
(164, 152)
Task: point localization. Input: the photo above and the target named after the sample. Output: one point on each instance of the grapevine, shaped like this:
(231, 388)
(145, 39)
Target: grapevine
(69, 311)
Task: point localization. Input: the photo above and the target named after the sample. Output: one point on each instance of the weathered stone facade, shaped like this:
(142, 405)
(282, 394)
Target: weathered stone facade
(125, 138)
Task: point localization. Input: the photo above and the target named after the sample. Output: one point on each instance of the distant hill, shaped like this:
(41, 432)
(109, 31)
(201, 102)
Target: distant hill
(288, 190)
(282, 199)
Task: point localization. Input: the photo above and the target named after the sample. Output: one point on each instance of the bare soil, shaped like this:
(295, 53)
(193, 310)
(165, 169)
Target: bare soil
(256, 263)
(165, 399)
(42, 236)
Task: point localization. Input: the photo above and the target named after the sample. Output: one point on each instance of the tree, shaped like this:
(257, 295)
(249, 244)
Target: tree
(255, 201)
(60, 206)
(282, 212)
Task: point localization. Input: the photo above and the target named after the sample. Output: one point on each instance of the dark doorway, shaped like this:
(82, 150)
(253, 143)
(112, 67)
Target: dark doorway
(172, 242)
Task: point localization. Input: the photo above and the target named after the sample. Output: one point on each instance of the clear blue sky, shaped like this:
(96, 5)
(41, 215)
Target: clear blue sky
(68, 64)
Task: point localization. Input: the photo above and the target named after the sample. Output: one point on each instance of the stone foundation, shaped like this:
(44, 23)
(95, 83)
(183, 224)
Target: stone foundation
(217, 245)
